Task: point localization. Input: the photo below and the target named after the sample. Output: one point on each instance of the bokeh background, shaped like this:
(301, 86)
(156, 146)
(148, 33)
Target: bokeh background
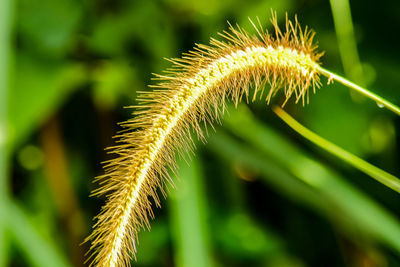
(256, 194)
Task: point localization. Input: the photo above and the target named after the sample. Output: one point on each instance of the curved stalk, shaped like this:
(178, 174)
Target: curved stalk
(381, 102)
(378, 174)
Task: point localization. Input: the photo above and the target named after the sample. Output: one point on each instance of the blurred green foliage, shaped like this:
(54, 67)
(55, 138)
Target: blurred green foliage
(256, 195)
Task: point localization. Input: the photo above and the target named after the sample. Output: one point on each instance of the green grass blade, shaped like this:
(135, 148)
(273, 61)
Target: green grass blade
(39, 251)
(380, 175)
(287, 184)
(351, 209)
(345, 35)
(6, 23)
(188, 217)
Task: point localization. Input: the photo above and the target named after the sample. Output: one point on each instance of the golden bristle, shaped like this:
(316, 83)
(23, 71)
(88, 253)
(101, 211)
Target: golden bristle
(193, 93)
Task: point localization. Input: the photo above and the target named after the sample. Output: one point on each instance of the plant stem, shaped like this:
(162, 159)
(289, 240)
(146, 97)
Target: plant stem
(305, 180)
(38, 250)
(369, 169)
(6, 23)
(188, 217)
(379, 100)
(344, 29)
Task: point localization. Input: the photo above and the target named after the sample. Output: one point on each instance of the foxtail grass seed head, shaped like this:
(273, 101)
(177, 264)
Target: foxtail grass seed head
(192, 93)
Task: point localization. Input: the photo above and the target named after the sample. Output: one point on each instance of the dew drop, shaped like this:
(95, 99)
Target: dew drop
(380, 105)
